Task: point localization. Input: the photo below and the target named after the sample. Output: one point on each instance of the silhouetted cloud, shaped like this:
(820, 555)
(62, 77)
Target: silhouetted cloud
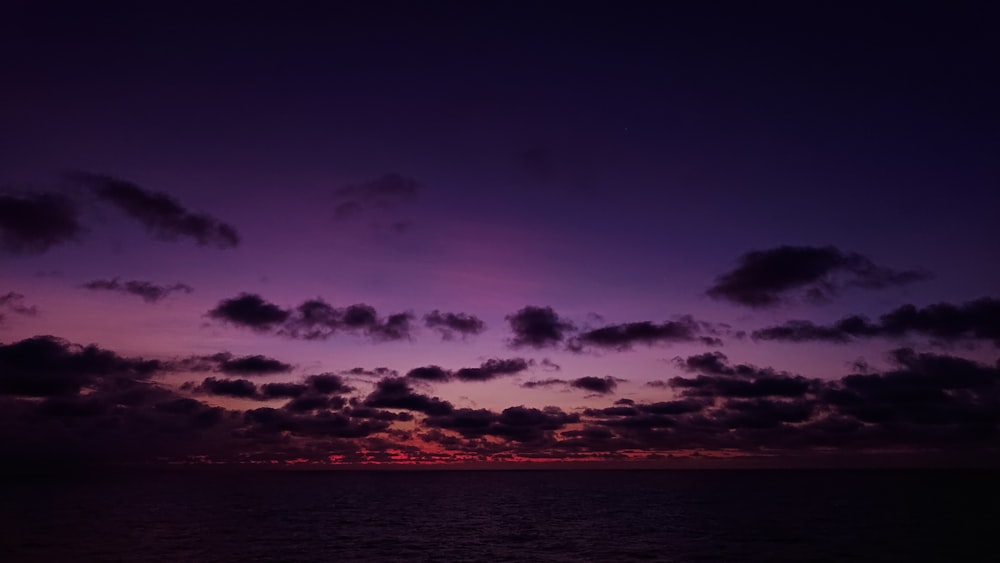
(741, 380)
(448, 325)
(253, 365)
(978, 319)
(240, 388)
(321, 423)
(328, 384)
(622, 337)
(283, 390)
(250, 311)
(44, 366)
(374, 372)
(161, 214)
(315, 392)
(396, 393)
(493, 368)
(764, 278)
(521, 424)
(551, 382)
(601, 385)
(148, 291)
(538, 327)
(34, 223)
(429, 373)
(316, 319)
(12, 302)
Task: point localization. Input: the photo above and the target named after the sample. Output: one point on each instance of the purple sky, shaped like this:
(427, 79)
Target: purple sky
(580, 193)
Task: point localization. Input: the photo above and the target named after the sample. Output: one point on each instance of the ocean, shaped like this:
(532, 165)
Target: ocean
(688, 515)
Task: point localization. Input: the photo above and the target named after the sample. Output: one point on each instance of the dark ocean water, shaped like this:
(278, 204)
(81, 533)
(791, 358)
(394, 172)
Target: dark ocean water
(875, 515)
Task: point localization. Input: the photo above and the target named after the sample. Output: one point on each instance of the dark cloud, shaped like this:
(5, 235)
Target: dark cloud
(34, 223)
(322, 423)
(763, 413)
(283, 390)
(45, 366)
(741, 380)
(450, 325)
(225, 362)
(148, 291)
(493, 368)
(161, 214)
(544, 383)
(328, 384)
(765, 278)
(314, 402)
(374, 372)
(623, 336)
(538, 327)
(946, 322)
(240, 388)
(520, 424)
(315, 392)
(316, 319)
(253, 365)
(429, 373)
(601, 385)
(12, 302)
(250, 311)
(396, 393)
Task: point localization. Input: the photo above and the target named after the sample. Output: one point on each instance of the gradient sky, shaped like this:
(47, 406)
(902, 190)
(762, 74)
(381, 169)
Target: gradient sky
(728, 230)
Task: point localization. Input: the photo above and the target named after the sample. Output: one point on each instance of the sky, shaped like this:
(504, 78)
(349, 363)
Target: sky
(484, 234)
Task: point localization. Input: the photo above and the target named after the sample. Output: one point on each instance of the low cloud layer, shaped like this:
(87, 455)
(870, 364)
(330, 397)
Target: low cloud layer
(66, 401)
(767, 278)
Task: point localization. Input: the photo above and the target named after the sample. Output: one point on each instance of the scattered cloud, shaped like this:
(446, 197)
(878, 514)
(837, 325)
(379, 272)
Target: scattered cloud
(493, 368)
(538, 327)
(622, 337)
(396, 393)
(249, 311)
(33, 223)
(946, 322)
(314, 319)
(224, 362)
(253, 365)
(450, 325)
(766, 278)
(429, 373)
(148, 291)
(601, 385)
(161, 214)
